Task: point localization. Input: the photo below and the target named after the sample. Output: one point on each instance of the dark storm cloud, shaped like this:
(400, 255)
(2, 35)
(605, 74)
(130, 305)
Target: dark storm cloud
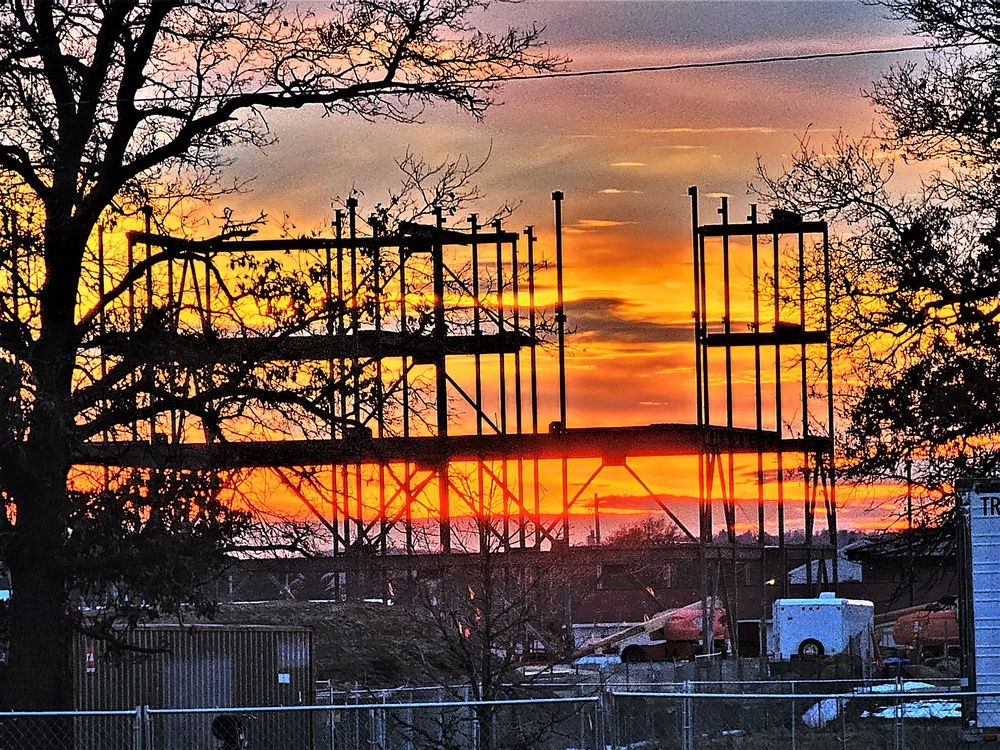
(607, 319)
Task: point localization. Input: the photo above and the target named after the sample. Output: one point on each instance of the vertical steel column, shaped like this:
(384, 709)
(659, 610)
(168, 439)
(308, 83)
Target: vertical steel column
(698, 375)
(803, 354)
(782, 552)
(557, 198)
(727, 324)
(405, 375)
(339, 422)
(359, 425)
(331, 401)
(831, 507)
(518, 406)
(701, 377)
(697, 246)
(175, 312)
(758, 389)
(809, 505)
(150, 368)
(502, 384)
(383, 525)
(728, 498)
(703, 291)
(355, 324)
(130, 260)
(102, 318)
(705, 466)
(441, 385)
(482, 523)
(809, 479)
(533, 335)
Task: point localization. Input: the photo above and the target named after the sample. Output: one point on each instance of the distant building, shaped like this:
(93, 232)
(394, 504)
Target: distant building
(848, 571)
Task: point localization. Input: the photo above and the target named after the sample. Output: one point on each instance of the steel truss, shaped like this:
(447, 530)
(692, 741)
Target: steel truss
(787, 347)
(430, 337)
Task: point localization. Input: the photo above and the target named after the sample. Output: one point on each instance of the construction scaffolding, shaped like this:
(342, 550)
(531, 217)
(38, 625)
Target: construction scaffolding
(786, 345)
(413, 378)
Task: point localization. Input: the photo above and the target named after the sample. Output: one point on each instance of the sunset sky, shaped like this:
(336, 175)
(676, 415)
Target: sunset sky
(624, 149)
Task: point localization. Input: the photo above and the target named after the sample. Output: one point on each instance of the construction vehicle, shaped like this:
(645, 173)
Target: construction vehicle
(925, 631)
(674, 634)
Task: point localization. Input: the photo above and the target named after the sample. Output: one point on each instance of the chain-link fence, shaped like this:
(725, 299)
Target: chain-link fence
(800, 715)
(90, 730)
(544, 723)
(806, 716)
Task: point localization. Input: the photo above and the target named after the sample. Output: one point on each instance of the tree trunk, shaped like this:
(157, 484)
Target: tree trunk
(38, 676)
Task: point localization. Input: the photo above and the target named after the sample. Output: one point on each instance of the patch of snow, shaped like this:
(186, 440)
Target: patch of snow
(918, 710)
(826, 710)
(910, 686)
(598, 660)
(820, 713)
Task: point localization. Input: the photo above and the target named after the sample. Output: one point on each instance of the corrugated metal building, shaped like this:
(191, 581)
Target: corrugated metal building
(201, 666)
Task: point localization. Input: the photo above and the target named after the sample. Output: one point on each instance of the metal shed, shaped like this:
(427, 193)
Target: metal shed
(198, 667)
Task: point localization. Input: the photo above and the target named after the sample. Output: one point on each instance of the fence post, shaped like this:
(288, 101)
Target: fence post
(599, 722)
(842, 713)
(600, 715)
(899, 731)
(794, 716)
(142, 729)
(357, 717)
(687, 717)
(613, 713)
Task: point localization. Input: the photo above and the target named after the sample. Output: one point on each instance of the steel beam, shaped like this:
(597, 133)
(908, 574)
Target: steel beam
(607, 443)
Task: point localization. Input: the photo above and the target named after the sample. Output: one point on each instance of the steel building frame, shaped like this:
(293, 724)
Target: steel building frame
(796, 351)
(480, 316)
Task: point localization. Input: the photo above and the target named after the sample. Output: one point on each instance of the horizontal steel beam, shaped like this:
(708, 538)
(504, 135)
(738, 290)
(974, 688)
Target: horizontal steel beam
(191, 349)
(767, 338)
(749, 230)
(573, 558)
(611, 444)
(416, 237)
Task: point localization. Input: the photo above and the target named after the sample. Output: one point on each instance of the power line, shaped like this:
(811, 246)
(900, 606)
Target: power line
(722, 63)
(605, 71)
(664, 68)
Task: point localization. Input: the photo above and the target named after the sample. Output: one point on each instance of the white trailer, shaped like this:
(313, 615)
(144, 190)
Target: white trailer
(827, 626)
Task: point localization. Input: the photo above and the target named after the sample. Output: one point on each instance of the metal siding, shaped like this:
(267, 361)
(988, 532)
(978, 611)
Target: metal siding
(985, 538)
(225, 666)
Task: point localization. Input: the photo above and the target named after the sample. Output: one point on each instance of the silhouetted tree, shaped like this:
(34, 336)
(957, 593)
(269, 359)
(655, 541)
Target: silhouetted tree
(110, 106)
(917, 263)
(489, 613)
(648, 531)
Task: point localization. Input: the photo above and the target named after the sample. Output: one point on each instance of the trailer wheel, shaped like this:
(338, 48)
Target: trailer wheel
(810, 649)
(634, 655)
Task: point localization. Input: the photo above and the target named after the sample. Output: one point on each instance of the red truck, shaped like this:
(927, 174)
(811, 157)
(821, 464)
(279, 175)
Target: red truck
(672, 634)
(928, 632)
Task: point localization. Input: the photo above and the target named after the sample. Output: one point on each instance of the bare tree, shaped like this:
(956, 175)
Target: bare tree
(490, 614)
(655, 531)
(107, 107)
(916, 270)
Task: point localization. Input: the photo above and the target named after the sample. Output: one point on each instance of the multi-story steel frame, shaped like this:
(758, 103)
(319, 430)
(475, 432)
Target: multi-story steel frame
(763, 308)
(467, 436)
